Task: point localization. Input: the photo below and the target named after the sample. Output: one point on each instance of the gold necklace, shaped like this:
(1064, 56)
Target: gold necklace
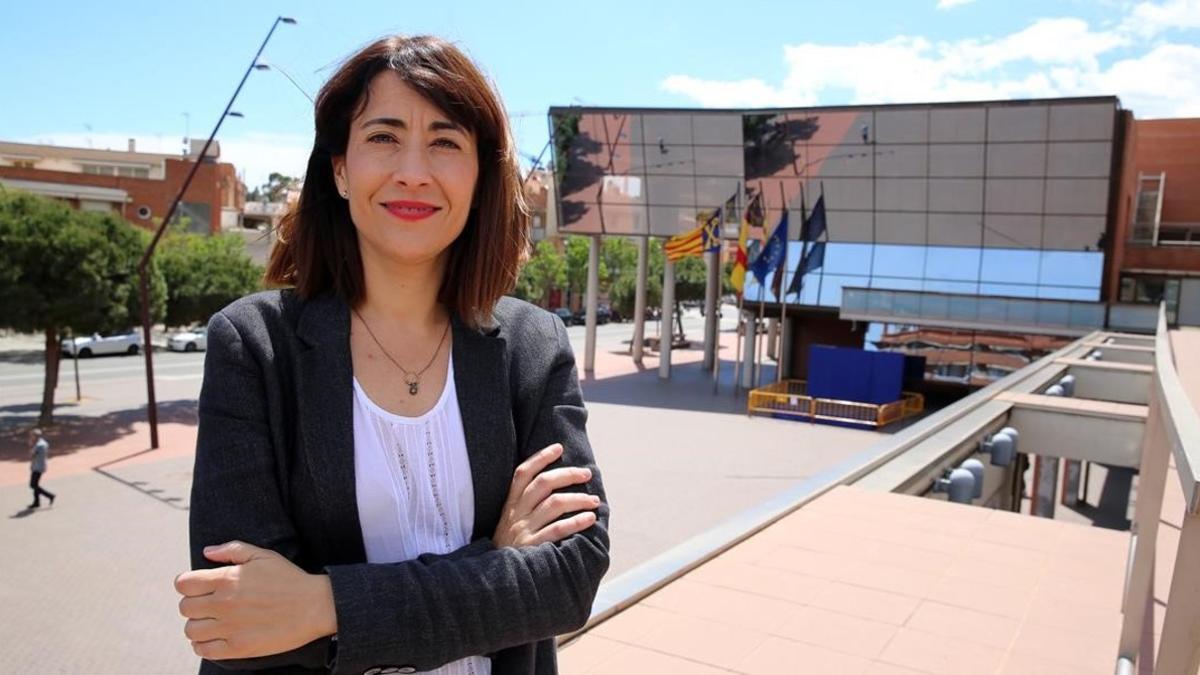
(413, 380)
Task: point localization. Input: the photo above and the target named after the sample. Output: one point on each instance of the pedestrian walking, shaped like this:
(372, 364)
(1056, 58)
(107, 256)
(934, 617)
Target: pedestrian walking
(392, 471)
(39, 448)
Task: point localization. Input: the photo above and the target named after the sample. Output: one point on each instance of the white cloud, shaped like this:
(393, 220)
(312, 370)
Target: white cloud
(254, 154)
(1049, 57)
(1148, 18)
(951, 4)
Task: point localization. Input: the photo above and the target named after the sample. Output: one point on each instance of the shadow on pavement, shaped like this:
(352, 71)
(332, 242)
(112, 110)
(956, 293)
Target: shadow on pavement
(690, 388)
(71, 433)
(23, 357)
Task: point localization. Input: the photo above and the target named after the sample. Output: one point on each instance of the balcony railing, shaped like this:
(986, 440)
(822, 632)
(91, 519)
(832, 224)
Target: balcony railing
(1165, 234)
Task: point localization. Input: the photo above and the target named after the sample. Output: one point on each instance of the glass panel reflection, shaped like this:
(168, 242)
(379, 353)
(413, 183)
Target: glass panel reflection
(1072, 268)
(954, 263)
(1007, 265)
(898, 261)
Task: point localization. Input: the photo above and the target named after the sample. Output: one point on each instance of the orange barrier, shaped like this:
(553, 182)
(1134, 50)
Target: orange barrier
(789, 398)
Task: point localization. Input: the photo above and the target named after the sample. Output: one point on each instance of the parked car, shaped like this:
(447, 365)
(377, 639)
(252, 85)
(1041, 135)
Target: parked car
(122, 342)
(188, 340)
(603, 315)
(566, 316)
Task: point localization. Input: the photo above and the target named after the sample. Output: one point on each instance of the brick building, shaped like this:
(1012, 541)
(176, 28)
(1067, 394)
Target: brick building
(1156, 249)
(137, 185)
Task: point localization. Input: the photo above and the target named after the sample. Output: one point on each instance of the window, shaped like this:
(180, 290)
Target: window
(23, 163)
(1151, 290)
(99, 169)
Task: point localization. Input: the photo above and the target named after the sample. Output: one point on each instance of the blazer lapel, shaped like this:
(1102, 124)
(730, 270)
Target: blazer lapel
(324, 398)
(481, 381)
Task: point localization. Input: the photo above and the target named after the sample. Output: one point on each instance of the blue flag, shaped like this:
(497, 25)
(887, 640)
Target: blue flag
(814, 227)
(812, 261)
(772, 252)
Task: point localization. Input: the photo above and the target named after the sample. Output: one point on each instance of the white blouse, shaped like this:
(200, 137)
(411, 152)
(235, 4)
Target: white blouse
(414, 488)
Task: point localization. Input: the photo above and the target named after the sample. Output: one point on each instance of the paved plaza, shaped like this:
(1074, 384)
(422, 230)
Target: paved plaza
(86, 584)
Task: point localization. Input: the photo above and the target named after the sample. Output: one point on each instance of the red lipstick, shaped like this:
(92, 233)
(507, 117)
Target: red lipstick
(410, 210)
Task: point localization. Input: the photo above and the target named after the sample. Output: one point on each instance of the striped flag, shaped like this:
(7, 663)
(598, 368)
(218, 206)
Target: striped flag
(753, 218)
(694, 243)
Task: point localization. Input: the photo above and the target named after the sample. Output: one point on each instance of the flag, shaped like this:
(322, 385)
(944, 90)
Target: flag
(772, 252)
(741, 259)
(781, 268)
(813, 260)
(814, 225)
(704, 238)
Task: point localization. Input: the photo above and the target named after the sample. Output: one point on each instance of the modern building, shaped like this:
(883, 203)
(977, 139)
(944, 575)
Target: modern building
(997, 216)
(138, 186)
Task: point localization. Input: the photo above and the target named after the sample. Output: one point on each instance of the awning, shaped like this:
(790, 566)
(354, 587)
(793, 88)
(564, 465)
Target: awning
(68, 191)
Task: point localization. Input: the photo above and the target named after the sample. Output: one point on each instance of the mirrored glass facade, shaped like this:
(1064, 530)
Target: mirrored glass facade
(1004, 198)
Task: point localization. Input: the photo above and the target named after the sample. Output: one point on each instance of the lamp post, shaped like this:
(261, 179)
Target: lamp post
(144, 263)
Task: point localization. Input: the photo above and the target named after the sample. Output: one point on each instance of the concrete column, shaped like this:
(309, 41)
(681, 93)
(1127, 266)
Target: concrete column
(712, 294)
(667, 333)
(639, 301)
(593, 294)
(1072, 471)
(1177, 649)
(1045, 486)
(749, 341)
(772, 335)
(785, 350)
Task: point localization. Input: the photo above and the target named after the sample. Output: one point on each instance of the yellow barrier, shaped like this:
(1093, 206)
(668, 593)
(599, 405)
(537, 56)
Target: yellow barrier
(790, 398)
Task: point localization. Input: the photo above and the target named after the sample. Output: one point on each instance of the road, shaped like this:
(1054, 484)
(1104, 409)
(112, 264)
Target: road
(113, 383)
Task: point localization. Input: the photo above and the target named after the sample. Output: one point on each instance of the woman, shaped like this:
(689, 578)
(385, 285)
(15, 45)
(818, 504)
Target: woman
(392, 469)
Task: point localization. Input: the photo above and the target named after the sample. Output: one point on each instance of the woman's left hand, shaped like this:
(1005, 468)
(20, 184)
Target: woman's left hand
(258, 605)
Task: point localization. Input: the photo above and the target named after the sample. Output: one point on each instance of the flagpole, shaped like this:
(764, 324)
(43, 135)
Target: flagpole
(782, 294)
(720, 281)
(821, 279)
(756, 378)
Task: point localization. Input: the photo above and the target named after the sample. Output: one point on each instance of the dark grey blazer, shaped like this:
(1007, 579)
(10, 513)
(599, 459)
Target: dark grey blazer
(275, 468)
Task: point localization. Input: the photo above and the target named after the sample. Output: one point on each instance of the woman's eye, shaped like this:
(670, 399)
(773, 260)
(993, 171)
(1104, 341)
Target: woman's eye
(446, 143)
(379, 138)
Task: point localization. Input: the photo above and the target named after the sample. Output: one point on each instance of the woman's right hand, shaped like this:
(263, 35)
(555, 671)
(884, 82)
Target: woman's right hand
(533, 509)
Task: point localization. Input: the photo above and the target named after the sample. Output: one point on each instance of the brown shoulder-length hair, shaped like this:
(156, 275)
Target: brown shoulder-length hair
(317, 247)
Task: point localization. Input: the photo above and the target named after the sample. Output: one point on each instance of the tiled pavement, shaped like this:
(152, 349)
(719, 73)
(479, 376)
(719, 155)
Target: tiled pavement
(863, 582)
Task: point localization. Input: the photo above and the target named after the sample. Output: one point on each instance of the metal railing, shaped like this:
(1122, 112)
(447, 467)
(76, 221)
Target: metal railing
(1165, 234)
(790, 398)
(959, 310)
(1172, 432)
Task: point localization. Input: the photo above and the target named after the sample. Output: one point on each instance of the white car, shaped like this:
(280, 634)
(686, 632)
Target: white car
(122, 342)
(188, 341)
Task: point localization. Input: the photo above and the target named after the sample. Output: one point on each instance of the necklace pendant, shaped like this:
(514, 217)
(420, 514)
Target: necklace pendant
(412, 388)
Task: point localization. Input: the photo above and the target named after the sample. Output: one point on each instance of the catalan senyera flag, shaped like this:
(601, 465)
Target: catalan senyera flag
(693, 243)
(752, 218)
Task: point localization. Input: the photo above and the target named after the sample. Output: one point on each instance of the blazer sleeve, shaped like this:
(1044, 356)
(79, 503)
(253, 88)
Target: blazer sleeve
(425, 615)
(236, 479)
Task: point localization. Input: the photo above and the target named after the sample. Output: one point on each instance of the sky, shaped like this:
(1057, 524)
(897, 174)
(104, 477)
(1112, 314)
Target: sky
(91, 74)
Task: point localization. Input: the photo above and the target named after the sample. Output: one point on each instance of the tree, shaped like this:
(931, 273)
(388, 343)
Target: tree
(578, 249)
(62, 269)
(545, 271)
(274, 190)
(620, 281)
(203, 274)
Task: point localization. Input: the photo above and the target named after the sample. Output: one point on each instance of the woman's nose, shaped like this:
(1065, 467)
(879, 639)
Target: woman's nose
(412, 167)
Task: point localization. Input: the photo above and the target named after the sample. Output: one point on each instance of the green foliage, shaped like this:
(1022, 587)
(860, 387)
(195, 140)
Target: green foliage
(545, 271)
(577, 252)
(274, 190)
(66, 269)
(203, 274)
(63, 271)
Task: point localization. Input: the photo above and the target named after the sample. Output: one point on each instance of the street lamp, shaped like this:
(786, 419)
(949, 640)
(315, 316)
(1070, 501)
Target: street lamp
(144, 263)
(263, 65)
